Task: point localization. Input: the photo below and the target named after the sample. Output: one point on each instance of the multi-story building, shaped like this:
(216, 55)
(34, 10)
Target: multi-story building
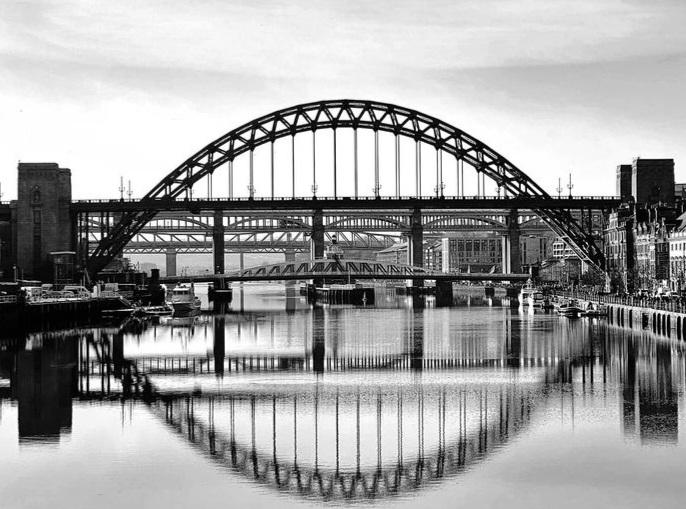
(645, 256)
(533, 249)
(677, 260)
(624, 172)
(562, 251)
(651, 234)
(561, 270)
(619, 250)
(433, 255)
(677, 256)
(652, 180)
(477, 252)
(395, 254)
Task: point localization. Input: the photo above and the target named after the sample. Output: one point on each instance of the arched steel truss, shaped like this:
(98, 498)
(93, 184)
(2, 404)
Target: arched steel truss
(352, 114)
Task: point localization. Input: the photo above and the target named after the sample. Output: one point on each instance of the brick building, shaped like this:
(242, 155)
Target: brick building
(41, 218)
(652, 255)
(677, 256)
(624, 178)
(619, 250)
(652, 180)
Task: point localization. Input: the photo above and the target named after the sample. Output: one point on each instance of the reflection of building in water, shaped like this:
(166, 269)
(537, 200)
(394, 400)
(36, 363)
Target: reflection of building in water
(649, 406)
(44, 384)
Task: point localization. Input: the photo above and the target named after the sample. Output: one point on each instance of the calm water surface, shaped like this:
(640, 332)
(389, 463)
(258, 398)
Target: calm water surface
(277, 404)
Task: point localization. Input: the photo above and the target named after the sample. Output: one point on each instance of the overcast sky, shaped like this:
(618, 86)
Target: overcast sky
(133, 88)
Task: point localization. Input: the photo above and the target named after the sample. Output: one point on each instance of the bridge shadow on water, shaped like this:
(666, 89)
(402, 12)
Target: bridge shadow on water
(341, 413)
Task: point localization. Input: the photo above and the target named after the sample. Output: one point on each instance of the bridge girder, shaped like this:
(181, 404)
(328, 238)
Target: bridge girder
(339, 221)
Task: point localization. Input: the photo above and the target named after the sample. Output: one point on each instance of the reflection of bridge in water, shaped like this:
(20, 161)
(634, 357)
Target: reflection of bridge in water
(414, 412)
(395, 453)
(316, 429)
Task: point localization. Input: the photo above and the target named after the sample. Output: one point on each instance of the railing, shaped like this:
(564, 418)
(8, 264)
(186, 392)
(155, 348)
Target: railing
(8, 299)
(345, 198)
(676, 306)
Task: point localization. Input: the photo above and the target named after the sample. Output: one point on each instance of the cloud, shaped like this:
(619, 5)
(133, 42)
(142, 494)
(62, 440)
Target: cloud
(150, 83)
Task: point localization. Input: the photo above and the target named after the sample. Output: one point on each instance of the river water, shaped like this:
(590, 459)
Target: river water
(278, 404)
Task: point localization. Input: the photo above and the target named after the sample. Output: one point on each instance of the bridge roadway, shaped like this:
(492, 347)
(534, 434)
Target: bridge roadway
(438, 276)
(348, 203)
(317, 217)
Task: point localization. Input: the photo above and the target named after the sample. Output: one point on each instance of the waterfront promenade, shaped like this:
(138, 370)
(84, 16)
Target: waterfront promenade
(663, 317)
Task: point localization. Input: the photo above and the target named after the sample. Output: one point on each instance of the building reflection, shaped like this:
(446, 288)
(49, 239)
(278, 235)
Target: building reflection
(650, 402)
(44, 382)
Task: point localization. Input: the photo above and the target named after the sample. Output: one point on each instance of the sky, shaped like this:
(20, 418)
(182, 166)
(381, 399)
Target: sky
(133, 88)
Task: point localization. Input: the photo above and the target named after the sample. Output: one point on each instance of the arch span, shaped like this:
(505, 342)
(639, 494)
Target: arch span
(352, 114)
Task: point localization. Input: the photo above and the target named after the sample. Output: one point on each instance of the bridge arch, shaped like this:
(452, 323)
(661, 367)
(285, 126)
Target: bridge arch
(355, 115)
(447, 221)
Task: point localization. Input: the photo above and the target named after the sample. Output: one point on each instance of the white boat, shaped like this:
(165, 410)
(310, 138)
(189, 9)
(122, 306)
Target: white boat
(183, 299)
(531, 296)
(570, 309)
(536, 300)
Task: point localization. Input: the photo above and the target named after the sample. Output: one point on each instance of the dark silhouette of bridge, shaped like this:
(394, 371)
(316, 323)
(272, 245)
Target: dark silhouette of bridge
(401, 203)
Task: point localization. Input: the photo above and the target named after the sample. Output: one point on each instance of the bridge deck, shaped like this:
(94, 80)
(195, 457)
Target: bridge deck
(343, 203)
(328, 275)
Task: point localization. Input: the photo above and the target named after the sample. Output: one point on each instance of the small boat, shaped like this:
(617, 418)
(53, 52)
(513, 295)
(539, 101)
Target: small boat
(570, 309)
(156, 310)
(532, 296)
(183, 299)
(595, 311)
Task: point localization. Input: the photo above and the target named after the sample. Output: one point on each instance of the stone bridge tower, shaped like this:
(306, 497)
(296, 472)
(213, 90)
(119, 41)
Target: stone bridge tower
(42, 219)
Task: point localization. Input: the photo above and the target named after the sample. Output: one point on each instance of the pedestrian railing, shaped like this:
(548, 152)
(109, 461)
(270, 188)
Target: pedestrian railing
(627, 300)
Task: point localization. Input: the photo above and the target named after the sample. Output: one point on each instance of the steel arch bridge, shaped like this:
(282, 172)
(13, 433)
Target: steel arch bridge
(356, 115)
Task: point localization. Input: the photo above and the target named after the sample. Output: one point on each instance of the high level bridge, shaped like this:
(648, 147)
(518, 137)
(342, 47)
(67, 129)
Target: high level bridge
(362, 170)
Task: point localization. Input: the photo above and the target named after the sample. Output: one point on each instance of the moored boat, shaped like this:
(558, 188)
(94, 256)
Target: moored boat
(595, 311)
(570, 309)
(533, 297)
(183, 299)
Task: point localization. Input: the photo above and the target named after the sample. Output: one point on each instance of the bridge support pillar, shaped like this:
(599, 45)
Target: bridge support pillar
(444, 293)
(170, 256)
(218, 242)
(415, 248)
(417, 338)
(317, 237)
(118, 353)
(219, 346)
(415, 244)
(318, 340)
(515, 263)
